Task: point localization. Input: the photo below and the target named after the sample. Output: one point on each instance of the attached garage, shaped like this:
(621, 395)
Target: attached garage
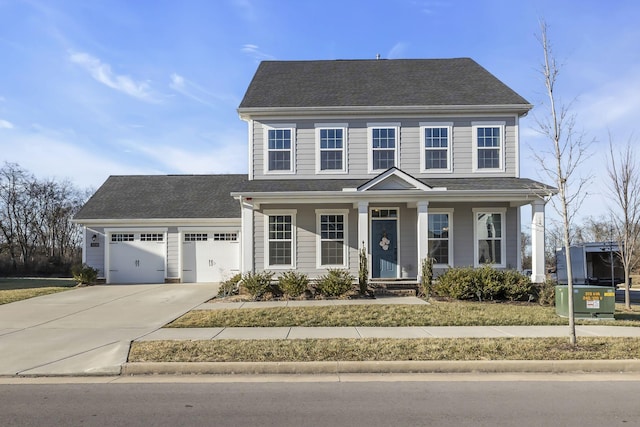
(136, 257)
(209, 256)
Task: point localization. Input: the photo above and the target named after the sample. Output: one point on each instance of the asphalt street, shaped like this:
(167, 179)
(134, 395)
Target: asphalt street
(472, 402)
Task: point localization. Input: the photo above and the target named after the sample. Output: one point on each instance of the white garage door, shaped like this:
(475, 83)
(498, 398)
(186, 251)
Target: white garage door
(137, 258)
(210, 256)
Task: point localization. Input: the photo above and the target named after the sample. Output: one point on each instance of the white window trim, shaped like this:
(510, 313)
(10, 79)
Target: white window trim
(501, 155)
(423, 149)
(450, 238)
(503, 230)
(345, 255)
(294, 253)
(370, 128)
(265, 143)
(345, 138)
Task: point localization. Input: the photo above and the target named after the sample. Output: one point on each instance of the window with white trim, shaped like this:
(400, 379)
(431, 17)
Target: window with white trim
(196, 237)
(332, 238)
(151, 237)
(331, 143)
(439, 237)
(383, 146)
(280, 239)
(436, 146)
(489, 227)
(279, 148)
(122, 237)
(225, 237)
(488, 146)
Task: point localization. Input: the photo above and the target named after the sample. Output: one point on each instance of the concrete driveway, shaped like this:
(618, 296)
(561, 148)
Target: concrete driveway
(87, 331)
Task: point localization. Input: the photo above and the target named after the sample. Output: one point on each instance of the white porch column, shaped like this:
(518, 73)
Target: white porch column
(363, 225)
(246, 257)
(537, 241)
(422, 234)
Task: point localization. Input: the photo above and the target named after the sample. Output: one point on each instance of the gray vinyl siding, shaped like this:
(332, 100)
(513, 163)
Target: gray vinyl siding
(305, 238)
(462, 146)
(94, 256)
(173, 253)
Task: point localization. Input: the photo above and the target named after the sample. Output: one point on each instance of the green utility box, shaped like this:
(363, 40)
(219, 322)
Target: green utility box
(589, 302)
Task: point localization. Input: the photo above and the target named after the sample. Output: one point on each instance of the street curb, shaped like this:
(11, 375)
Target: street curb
(386, 367)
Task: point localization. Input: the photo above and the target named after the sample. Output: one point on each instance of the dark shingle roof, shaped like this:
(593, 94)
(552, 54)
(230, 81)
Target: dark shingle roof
(164, 196)
(361, 83)
(209, 196)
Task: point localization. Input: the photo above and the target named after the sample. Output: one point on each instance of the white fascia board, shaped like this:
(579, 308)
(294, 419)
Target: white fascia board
(291, 112)
(141, 222)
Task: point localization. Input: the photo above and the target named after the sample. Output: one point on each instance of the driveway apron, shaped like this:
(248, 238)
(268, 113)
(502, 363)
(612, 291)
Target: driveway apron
(87, 331)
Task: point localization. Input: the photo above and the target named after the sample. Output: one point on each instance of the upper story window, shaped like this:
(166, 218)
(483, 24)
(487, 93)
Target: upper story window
(331, 142)
(488, 151)
(383, 146)
(436, 146)
(279, 149)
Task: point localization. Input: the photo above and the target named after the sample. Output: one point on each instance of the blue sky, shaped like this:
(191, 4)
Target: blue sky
(93, 88)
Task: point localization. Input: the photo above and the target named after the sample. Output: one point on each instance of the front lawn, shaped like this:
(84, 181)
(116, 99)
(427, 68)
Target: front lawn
(16, 289)
(454, 313)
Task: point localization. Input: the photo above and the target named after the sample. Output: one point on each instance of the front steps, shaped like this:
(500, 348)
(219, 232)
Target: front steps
(394, 287)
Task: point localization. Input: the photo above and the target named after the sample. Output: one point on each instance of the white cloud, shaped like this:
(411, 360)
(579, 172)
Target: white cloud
(254, 51)
(102, 73)
(190, 89)
(4, 124)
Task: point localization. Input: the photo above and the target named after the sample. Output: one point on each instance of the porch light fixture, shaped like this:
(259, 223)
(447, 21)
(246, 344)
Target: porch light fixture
(94, 238)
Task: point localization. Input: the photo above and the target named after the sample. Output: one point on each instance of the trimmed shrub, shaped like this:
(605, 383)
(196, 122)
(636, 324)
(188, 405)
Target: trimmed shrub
(426, 271)
(257, 284)
(545, 292)
(485, 283)
(335, 283)
(293, 284)
(230, 286)
(363, 270)
(84, 275)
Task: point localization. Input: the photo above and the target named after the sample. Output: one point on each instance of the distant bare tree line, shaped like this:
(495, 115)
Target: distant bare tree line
(36, 232)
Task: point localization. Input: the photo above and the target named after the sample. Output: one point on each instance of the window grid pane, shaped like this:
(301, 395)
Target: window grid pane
(330, 160)
(279, 146)
(489, 147)
(384, 148)
(489, 235)
(438, 237)
(383, 159)
(280, 239)
(331, 239)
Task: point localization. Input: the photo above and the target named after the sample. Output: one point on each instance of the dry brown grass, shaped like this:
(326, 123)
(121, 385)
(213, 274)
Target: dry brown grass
(307, 350)
(13, 289)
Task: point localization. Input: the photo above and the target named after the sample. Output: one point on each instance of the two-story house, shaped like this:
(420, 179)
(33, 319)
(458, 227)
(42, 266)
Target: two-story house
(406, 158)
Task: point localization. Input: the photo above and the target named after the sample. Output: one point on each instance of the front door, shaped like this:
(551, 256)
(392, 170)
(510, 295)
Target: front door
(384, 248)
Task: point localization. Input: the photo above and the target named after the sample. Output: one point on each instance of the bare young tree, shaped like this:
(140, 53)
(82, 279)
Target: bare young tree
(568, 150)
(624, 182)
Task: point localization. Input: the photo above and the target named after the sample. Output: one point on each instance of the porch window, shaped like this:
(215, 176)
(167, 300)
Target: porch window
(489, 232)
(280, 240)
(489, 143)
(332, 231)
(439, 235)
(383, 147)
(279, 143)
(331, 143)
(436, 140)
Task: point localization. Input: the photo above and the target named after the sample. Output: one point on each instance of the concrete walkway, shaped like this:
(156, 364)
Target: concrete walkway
(88, 330)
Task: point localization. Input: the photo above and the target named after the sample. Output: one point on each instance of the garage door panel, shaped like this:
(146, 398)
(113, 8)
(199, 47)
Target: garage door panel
(209, 260)
(137, 261)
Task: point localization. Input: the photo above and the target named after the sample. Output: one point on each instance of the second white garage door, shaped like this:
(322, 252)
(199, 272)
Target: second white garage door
(137, 258)
(210, 256)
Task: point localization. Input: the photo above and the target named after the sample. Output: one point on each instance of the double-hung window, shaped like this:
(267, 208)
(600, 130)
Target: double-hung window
(436, 147)
(280, 239)
(279, 144)
(488, 146)
(331, 142)
(332, 238)
(489, 230)
(384, 141)
(439, 239)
